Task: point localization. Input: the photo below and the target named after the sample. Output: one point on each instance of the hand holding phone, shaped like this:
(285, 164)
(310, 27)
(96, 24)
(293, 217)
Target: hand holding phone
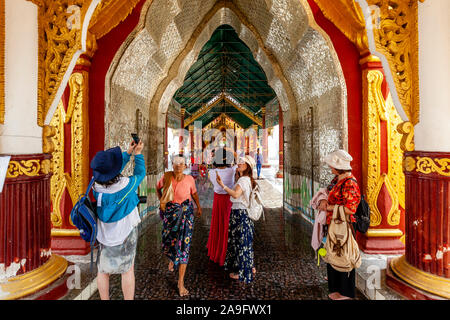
(135, 138)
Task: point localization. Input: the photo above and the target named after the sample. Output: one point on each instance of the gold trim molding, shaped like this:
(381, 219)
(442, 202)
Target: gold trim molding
(423, 280)
(391, 233)
(30, 168)
(35, 280)
(65, 233)
(427, 165)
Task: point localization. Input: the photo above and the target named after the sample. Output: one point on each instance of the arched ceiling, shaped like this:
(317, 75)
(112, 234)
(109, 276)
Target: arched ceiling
(225, 65)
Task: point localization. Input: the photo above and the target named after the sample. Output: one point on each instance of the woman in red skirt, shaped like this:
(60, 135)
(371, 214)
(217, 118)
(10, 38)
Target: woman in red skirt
(218, 233)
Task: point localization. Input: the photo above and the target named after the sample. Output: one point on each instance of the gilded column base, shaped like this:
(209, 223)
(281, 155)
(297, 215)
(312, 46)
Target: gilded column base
(33, 281)
(416, 280)
(381, 241)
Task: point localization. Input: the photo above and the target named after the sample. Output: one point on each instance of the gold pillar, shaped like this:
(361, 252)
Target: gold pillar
(383, 180)
(71, 114)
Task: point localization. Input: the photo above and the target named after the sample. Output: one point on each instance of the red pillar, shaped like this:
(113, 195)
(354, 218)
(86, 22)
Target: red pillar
(281, 139)
(424, 271)
(191, 137)
(265, 146)
(181, 147)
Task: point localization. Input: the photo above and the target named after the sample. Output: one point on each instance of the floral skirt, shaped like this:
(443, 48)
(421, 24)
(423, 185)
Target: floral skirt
(240, 254)
(178, 226)
(118, 259)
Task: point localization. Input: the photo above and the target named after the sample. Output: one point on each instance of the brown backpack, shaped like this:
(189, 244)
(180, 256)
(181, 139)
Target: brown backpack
(167, 195)
(342, 249)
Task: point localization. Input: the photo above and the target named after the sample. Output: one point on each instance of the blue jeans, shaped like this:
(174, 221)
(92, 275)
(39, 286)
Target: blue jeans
(258, 169)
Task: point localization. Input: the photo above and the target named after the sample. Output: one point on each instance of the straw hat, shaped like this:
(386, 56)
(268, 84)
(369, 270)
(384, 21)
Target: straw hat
(249, 160)
(339, 159)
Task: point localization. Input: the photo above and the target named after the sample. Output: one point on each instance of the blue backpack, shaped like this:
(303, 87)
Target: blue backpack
(84, 217)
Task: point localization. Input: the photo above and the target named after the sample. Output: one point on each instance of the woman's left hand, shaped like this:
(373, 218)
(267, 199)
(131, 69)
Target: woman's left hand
(330, 207)
(199, 212)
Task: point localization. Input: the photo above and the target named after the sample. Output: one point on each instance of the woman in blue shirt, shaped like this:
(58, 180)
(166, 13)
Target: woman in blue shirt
(118, 215)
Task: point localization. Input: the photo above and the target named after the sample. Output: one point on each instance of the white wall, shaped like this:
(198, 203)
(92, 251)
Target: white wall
(433, 131)
(20, 134)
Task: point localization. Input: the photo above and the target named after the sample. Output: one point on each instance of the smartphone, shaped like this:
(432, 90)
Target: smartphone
(135, 138)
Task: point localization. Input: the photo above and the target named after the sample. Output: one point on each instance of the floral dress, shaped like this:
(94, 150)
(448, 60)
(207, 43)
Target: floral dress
(240, 255)
(178, 226)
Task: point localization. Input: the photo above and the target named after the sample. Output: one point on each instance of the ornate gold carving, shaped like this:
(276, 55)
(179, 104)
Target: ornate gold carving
(397, 39)
(58, 181)
(376, 100)
(409, 164)
(394, 214)
(77, 114)
(395, 153)
(2, 61)
(428, 165)
(348, 17)
(375, 215)
(108, 14)
(30, 168)
(46, 166)
(60, 28)
(47, 144)
(376, 109)
(407, 130)
(372, 80)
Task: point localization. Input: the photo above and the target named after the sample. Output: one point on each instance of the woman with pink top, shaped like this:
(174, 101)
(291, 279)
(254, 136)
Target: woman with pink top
(178, 219)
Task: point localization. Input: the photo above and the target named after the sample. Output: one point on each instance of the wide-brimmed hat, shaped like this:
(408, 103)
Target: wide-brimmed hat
(339, 159)
(107, 164)
(249, 160)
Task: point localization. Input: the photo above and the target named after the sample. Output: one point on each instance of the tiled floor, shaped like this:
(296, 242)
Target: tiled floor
(285, 262)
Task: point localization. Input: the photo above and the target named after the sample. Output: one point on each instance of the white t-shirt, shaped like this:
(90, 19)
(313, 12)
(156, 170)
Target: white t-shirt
(114, 233)
(246, 186)
(227, 176)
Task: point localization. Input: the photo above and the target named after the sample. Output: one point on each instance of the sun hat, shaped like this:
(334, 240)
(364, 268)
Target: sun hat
(107, 164)
(249, 160)
(339, 159)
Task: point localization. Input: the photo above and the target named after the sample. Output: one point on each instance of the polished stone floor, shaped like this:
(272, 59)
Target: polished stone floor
(286, 266)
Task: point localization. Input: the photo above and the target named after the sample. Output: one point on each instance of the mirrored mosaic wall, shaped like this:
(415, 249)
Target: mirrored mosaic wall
(312, 92)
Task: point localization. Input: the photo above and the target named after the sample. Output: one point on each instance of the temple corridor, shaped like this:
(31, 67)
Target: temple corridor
(285, 262)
